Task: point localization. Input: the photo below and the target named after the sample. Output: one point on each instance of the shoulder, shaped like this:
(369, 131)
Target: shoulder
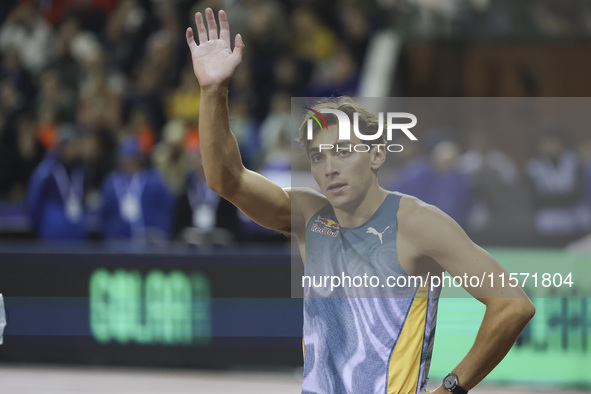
(305, 202)
(426, 226)
(413, 211)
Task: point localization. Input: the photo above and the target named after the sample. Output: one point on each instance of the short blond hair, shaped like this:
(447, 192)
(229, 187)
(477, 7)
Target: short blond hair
(368, 122)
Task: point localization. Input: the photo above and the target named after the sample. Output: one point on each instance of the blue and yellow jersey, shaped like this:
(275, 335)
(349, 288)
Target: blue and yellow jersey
(363, 339)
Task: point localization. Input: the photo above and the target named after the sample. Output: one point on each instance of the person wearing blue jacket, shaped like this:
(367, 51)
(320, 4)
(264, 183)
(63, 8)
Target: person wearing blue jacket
(136, 203)
(55, 197)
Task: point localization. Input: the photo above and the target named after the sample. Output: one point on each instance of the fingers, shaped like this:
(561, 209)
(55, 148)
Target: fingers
(224, 26)
(190, 39)
(238, 46)
(212, 27)
(201, 32)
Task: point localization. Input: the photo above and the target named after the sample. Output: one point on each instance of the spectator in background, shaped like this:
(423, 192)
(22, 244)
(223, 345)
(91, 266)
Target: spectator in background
(166, 46)
(266, 29)
(146, 97)
(135, 201)
(25, 30)
(126, 31)
(11, 105)
(450, 191)
(290, 77)
(245, 128)
(18, 160)
(338, 75)
(91, 13)
(311, 39)
(99, 150)
(414, 176)
(47, 122)
(169, 156)
(557, 185)
(66, 64)
(201, 210)
(183, 103)
(583, 245)
(500, 197)
(276, 165)
(438, 181)
(276, 122)
(354, 28)
(55, 199)
(140, 126)
(100, 93)
(55, 98)
(12, 69)
(99, 112)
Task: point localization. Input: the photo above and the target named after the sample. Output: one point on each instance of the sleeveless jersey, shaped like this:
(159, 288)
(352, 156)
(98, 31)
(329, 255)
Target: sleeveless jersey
(363, 339)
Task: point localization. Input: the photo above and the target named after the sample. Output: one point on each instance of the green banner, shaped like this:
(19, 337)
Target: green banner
(554, 348)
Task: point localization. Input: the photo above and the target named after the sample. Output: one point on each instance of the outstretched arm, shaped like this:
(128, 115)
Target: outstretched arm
(438, 238)
(214, 63)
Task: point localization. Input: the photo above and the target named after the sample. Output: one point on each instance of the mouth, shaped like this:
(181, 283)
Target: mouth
(336, 188)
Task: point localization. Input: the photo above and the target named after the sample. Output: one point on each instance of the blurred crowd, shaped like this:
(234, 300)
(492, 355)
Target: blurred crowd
(99, 108)
(546, 202)
(99, 113)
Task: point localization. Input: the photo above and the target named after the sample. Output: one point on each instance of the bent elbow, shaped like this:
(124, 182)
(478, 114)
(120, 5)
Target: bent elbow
(530, 311)
(214, 186)
(524, 309)
(518, 310)
(223, 187)
(225, 182)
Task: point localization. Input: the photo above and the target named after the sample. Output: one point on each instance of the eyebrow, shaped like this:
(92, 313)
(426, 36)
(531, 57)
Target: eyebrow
(342, 144)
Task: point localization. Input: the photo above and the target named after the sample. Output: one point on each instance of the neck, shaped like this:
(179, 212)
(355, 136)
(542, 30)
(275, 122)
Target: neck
(363, 210)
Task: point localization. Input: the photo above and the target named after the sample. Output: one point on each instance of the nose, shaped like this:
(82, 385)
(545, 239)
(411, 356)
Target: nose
(330, 168)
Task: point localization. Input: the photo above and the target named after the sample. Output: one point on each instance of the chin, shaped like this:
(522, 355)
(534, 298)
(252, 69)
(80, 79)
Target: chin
(339, 202)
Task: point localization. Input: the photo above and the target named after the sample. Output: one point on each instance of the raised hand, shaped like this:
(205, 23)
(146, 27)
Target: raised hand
(214, 61)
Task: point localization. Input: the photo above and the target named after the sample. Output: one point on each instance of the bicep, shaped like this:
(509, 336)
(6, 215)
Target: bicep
(449, 246)
(263, 201)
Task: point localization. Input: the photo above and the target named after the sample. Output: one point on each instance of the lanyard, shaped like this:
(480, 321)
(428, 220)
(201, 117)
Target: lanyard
(135, 186)
(199, 193)
(202, 200)
(129, 196)
(69, 187)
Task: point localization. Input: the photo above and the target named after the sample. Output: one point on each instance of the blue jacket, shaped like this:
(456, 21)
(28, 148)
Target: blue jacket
(46, 201)
(155, 201)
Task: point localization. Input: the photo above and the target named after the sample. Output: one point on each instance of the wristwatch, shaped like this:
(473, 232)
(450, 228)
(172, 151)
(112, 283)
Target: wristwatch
(452, 384)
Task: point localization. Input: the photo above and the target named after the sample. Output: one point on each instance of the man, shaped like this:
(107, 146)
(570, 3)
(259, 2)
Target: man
(55, 199)
(426, 242)
(136, 204)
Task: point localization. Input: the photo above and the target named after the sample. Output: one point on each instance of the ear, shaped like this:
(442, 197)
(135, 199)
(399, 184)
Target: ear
(378, 156)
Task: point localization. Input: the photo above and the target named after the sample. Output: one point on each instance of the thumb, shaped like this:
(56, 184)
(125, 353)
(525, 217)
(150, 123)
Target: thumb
(190, 39)
(238, 46)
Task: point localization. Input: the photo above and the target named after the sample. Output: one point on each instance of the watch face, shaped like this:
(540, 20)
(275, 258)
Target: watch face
(450, 382)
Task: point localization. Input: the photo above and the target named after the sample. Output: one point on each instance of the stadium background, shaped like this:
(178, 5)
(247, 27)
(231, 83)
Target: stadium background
(217, 295)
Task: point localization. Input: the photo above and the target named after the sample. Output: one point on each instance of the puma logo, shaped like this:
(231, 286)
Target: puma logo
(371, 230)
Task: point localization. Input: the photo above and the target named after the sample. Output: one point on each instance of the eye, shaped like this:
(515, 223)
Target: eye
(344, 153)
(316, 158)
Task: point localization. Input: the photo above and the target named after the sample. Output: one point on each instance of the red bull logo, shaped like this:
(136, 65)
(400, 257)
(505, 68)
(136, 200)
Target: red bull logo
(330, 227)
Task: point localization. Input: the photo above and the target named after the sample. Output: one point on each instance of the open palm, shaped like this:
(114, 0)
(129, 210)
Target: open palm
(214, 61)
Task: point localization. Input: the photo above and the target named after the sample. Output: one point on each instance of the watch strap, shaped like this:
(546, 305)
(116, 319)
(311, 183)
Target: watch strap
(459, 390)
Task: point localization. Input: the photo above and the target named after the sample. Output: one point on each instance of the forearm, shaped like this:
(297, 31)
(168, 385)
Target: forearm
(502, 323)
(222, 163)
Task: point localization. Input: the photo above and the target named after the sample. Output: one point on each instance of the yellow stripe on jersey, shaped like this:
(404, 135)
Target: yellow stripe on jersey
(405, 361)
(303, 349)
